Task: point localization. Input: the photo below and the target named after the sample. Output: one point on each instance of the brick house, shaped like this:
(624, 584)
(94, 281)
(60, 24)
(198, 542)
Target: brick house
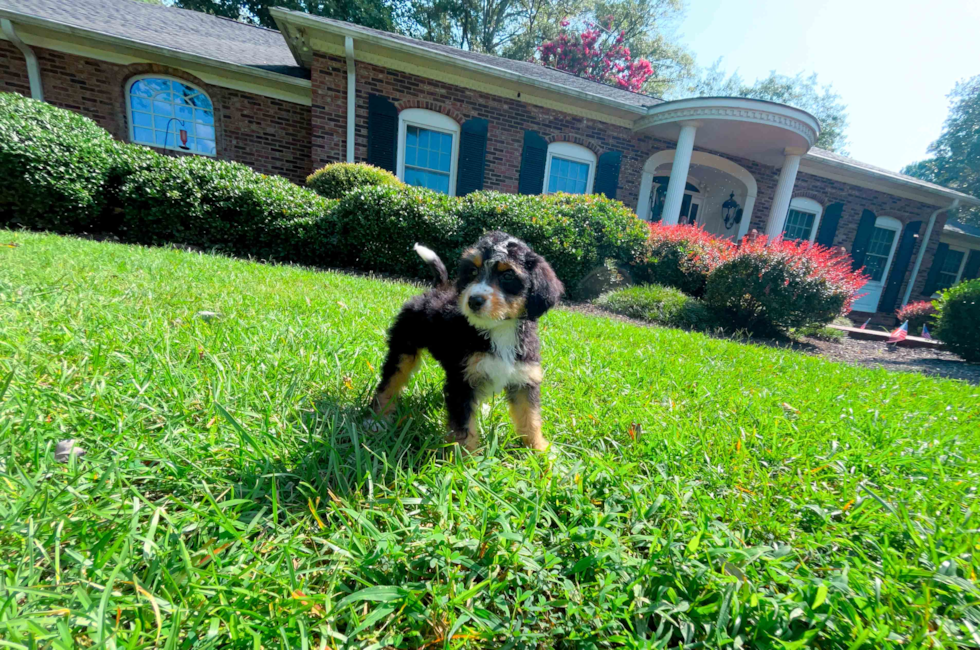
(320, 90)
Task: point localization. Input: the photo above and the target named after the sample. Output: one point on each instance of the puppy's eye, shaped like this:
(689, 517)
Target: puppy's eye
(469, 272)
(508, 276)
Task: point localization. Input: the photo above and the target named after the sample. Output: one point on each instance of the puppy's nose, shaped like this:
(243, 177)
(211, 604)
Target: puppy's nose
(476, 302)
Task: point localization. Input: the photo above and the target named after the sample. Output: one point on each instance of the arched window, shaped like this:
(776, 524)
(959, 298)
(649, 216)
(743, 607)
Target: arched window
(570, 168)
(803, 219)
(170, 114)
(428, 146)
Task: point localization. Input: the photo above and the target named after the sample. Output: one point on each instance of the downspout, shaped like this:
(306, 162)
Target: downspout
(351, 96)
(922, 250)
(33, 69)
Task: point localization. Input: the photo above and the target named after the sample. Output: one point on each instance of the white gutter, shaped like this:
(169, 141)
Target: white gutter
(149, 48)
(33, 69)
(351, 96)
(922, 250)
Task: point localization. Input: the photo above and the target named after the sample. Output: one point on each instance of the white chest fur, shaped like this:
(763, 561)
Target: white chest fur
(492, 372)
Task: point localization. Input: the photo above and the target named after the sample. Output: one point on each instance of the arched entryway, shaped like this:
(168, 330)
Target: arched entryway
(712, 180)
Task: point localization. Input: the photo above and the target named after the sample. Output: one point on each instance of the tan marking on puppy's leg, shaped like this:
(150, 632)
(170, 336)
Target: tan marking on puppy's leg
(384, 399)
(526, 416)
(468, 439)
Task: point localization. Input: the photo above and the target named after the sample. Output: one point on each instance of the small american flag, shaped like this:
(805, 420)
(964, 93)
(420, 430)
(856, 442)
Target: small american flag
(900, 334)
(925, 333)
(865, 324)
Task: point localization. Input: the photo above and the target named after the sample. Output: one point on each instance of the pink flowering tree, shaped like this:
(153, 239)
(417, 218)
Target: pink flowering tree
(598, 54)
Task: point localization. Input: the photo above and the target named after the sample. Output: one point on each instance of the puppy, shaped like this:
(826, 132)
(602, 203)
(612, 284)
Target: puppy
(484, 333)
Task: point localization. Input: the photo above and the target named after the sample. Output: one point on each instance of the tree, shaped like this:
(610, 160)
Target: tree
(379, 14)
(955, 160)
(598, 54)
(800, 91)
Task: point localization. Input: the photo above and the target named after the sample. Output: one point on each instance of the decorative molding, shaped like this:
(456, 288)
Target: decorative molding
(730, 113)
(435, 107)
(575, 139)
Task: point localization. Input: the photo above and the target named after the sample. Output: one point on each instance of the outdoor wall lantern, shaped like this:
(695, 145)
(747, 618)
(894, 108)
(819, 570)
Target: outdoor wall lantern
(731, 212)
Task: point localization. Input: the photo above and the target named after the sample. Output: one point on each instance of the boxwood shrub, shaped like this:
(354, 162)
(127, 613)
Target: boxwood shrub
(658, 304)
(335, 180)
(575, 233)
(958, 319)
(54, 166)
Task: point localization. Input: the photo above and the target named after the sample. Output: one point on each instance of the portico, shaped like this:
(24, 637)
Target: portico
(772, 134)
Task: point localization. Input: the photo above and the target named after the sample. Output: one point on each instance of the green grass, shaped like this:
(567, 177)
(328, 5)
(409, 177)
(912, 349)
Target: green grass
(701, 492)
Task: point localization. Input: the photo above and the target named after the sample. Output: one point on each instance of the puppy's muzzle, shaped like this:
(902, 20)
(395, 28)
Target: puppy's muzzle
(476, 302)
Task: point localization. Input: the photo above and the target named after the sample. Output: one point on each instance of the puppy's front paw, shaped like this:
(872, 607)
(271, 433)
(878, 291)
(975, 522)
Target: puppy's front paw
(374, 424)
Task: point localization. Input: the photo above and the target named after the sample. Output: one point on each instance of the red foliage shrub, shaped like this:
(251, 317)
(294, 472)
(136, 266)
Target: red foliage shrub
(771, 285)
(917, 314)
(682, 256)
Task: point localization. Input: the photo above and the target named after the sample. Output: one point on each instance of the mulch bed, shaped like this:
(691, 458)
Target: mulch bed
(870, 354)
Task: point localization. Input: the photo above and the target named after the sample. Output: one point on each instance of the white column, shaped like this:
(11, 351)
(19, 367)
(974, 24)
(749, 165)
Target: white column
(351, 96)
(678, 173)
(784, 192)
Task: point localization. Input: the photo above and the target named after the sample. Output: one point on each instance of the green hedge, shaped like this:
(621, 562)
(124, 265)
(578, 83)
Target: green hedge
(61, 172)
(958, 319)
(335, 180)
(658, 304)
(55, 166)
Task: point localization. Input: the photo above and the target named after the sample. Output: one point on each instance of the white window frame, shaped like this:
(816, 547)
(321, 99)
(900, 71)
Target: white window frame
(575, 153)
(132, 126)
(433, 121)
(805, 204)
(959, 272)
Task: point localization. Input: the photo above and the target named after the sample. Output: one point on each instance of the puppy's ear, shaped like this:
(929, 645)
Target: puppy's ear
(545, 289)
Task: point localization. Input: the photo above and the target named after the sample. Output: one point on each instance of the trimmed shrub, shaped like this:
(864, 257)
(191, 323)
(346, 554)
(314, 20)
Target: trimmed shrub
(214, 204)
(377, 227)
(658, 304)
(54, 166)
(770, 286)
(337, 179)
(917, 314)
(958, 319)
(575, 233)
(682, 256)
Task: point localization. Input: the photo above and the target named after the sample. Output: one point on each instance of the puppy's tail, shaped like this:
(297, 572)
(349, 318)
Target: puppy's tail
(438, 268)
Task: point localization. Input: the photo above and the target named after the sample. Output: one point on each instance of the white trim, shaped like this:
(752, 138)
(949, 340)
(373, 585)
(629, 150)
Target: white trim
(959, 272)
(733, 109)
(884, 223)
(432, 121)
(808, 205)
(127, 97)
(284, 17)
(351, 97)
(33, 68)
(708, 160)
(575, 153)
(923, 245)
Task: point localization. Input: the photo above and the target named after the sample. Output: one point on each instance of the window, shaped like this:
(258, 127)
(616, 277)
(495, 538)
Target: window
(570, 168)
(690, 205)
(170, 114)
(879, 251)
(952, 267)
(428, 148)
(802, 220)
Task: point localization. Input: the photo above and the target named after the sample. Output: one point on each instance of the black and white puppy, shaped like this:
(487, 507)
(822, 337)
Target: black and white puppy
(484, 333)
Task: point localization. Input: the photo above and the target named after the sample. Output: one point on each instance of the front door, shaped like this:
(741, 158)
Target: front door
(877, 262)
(690, 208)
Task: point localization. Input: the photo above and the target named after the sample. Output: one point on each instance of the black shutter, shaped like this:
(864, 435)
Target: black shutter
(932, 280)
(972, 269)
(607, 174)
(382, 132)
(859, 248)
(472, 156)
(533, 158)
(899, 266)
(828, 224)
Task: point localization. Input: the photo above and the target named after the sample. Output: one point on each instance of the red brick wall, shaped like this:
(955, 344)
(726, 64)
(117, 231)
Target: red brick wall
(13, 70)
(508, 119)
(270, 135)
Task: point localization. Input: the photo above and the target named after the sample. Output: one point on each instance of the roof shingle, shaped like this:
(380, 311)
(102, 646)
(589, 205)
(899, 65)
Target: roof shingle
(183, 30)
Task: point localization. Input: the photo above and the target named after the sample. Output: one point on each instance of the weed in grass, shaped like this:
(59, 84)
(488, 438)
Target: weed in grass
(702, 493)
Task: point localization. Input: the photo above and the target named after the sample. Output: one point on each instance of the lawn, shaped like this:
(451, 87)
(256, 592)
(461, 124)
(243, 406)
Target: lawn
(701, 492)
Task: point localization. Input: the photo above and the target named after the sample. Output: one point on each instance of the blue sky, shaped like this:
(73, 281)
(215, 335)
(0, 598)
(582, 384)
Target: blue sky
(892, 61)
